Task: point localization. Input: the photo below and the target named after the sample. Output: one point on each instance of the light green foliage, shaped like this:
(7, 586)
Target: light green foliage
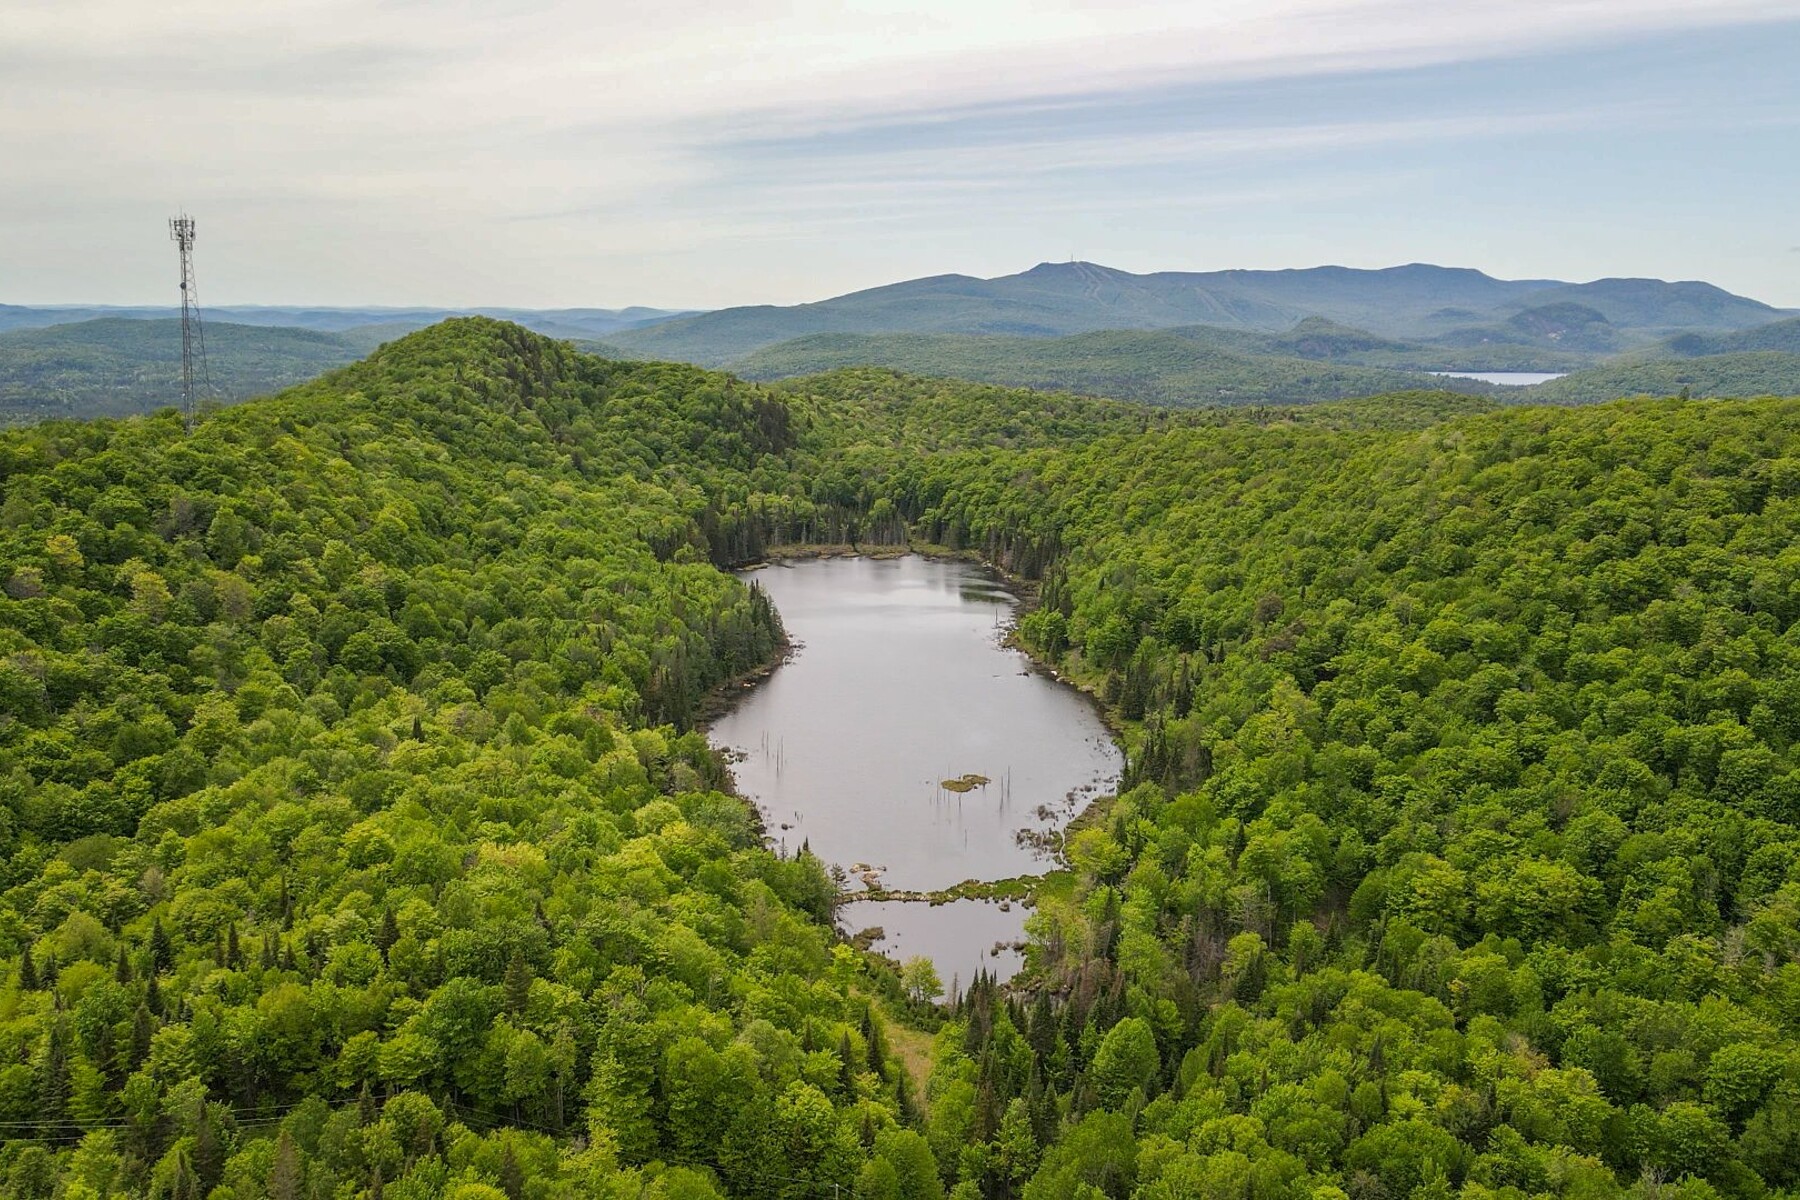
(346, 754)
(920, 979)
(1462, 801)
(1126, 1061)
(355, 834)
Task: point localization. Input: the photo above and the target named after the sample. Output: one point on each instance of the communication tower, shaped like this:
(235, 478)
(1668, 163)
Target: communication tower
(193, 341)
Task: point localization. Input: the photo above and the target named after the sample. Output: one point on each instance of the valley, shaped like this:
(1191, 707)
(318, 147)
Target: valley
(358, 817)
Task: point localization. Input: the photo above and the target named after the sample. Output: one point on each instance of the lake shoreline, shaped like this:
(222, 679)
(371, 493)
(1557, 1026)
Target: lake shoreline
(1026, 590)
(1018, 889)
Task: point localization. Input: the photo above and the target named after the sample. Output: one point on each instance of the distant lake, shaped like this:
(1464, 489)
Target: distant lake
(1505, 378)
(900, 682)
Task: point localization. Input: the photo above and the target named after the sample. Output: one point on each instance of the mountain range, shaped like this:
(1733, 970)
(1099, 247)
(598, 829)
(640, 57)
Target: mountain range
(552, 322)
(1168, 338)
(1455, 307)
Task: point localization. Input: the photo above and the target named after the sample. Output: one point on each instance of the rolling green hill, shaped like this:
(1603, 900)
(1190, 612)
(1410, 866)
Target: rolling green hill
(1743, 374)
(1169, 368)
(113, 366)
(1777, 335)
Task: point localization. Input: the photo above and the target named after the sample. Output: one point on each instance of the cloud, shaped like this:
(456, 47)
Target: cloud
(496, 141)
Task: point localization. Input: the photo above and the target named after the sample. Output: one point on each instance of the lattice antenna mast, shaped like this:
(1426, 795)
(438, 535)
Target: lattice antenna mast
(181, 232)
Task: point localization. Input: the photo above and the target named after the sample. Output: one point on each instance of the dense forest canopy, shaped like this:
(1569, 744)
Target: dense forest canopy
(357, 840)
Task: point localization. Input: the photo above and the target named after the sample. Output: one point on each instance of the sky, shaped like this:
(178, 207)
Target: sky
(683, 154)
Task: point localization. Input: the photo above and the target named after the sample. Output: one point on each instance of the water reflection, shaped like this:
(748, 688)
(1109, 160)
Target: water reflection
(960, 938)
(902, 684)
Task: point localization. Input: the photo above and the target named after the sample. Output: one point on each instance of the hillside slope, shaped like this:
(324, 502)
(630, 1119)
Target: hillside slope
(1464, 856)
(1176, 368)
(341, 757)
(1776, 335)
(1741, 374)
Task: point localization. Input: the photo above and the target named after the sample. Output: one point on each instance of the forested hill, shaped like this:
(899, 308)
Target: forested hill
(337, 818)
(114, 366)
(354, 842)
(1740, 374)
(1464, 855)
(1189, 368)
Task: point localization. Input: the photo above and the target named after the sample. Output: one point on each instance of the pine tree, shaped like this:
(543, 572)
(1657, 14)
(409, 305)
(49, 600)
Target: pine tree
(209, 1154)
(122, 972)
(512, 1178)
(153, 996)
(366, 1112)
(388, 934)
(518, 984)
(284, 1175)
(908, 1111)
(53, 1074)
(1087, 1095)
(872, 1038)
(846, 1067)
(234, 957)
(28, 975)
(1041, 1026)
(162, 950)
(103, 1053)
(143, 1029)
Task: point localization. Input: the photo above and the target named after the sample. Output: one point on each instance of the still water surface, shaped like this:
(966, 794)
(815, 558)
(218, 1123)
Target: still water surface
(901, 682)
(1505, 378)
(960, 938)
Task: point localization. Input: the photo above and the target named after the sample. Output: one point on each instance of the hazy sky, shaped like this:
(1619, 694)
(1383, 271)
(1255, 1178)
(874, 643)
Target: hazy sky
(676, 153)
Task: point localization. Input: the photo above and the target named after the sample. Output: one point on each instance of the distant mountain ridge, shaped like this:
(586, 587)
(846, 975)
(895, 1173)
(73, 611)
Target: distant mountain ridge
(1168, 338)
(552, 322)
(1416, 301)
(1185, 367)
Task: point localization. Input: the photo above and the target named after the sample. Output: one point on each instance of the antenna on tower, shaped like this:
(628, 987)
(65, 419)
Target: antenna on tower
(193, 341)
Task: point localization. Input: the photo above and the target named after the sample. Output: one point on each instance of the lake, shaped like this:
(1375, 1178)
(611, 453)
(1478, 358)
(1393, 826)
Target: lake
(960, 937)
(900, 681)
(1505, 378)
